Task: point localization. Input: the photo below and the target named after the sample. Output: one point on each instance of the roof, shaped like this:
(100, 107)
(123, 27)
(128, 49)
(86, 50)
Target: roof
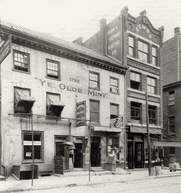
(59, 42)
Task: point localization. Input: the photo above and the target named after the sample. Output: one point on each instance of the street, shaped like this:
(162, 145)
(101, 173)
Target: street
(166, 185)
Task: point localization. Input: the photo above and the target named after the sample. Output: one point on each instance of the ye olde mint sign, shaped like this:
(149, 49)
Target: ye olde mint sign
(5, 49)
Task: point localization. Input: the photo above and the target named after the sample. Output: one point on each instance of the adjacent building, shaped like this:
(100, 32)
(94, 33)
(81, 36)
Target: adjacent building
(56, 98)
(137, 44)
(171, 78)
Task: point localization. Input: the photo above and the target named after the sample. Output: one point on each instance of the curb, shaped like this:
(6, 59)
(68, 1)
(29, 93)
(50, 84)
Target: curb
(87, 183)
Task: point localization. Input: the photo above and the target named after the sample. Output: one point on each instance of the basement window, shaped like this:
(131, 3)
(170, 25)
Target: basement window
(54, 105)
(23, 102)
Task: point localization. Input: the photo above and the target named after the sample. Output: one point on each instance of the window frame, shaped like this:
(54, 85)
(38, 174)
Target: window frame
(51, 115)
(171, 150)
(18, 67)
(155, 57)
(171, 124)
(142, 52)
(58, 69)
(137, 106)
(171, 97)
(117, 114)
(41, 134)
(151, 86)
(95, 112)
(113, 86)
(27, 89)
(134, 81)
(151, 109)
(95, 81)
(131, 47)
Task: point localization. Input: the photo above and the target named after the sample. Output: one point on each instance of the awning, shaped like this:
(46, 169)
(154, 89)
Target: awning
(107, 129)
(23, 100)
(54, 104)
(144, 130)
(167, 143)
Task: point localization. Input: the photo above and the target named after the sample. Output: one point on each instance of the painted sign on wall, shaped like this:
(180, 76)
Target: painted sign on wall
(114, 43)
(81, 113)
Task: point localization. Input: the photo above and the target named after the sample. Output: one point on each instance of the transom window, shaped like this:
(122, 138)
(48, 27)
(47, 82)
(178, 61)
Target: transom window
(154, 56)
(136, 111)
(36, 142)
(143, 51)
(21, 61)
(151, 85)
(152, 114)
(94, 80)
(131, 46)
(114, 85)
(94, 111)
(135, 80)
(53, 69)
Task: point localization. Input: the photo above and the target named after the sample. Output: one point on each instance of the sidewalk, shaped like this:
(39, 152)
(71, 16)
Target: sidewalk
(78, 178)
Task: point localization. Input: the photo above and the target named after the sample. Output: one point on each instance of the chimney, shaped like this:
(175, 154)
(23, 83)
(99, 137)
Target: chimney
(143, 12)
(176, 31)
(102, 23)
(78, 41)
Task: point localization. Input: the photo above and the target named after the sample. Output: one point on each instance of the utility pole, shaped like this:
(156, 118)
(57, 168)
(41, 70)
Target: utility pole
(31, 117)
(148, 136)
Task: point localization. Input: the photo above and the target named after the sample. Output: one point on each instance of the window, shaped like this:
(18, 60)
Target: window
(21, 61)
(151, 85)
(152, 114)
(93, 80)
(23, 102)
(171, 100)
(154, 56)
(114, 85)
(142, 51)
(136, 111)
(94, 111)
(131, 46)
(36, 142)
(54, 105)
(171, 122)
(114, 111)
(172, 150)
(53, 69)
(135, 80)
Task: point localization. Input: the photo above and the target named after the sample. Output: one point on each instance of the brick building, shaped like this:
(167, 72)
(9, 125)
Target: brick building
(171, 76)
(136, 43)
(51, 89)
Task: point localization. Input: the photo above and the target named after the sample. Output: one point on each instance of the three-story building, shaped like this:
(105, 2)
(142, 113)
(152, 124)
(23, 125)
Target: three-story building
(55, 97)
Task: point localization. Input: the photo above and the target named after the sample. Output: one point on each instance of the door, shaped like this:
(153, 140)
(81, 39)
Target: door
(95, 152)
(78, 156)
(139, 158)
(130, 155)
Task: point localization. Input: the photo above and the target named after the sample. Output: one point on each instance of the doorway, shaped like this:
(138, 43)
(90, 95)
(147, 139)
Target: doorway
(139, 155)
(130, 155)
(95, 152)
(78, 156)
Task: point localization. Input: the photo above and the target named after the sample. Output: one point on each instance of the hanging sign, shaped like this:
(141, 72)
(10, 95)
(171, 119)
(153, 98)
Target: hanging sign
(81, 113)
(5, 49)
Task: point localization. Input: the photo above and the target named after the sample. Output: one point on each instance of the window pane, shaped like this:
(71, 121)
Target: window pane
(114, 85)
(94, 80)
(52, 69)
(94, 111)
(21, 61)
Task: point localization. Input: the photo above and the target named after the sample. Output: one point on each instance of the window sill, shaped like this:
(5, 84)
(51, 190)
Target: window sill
(21, 71)
(114, 93)
(51, 78)
(148, 64)
(97, 89)
(30, 161)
